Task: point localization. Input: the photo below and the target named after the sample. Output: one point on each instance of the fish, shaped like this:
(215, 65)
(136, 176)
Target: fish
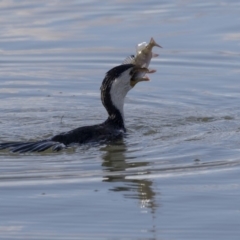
(143, 55)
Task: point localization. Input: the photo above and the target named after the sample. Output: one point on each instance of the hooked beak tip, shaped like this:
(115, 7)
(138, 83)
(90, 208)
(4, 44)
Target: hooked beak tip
(145, 78)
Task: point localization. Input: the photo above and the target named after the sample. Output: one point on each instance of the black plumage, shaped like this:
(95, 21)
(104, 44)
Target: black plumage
(112, 128)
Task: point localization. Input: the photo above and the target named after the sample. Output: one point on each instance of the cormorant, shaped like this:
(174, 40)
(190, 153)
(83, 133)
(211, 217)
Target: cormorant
(117, 82)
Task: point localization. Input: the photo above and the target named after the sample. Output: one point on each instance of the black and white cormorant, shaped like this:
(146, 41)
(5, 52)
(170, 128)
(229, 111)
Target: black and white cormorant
(117, 82)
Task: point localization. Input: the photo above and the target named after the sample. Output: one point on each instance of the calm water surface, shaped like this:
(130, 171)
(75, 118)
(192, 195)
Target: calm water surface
(176, 174)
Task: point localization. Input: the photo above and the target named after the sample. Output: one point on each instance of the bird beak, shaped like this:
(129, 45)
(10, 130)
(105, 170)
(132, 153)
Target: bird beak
(139, 75)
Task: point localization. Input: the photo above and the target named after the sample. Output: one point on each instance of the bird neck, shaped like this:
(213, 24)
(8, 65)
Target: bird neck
(114, 88)
(115, 113)
(116, 120)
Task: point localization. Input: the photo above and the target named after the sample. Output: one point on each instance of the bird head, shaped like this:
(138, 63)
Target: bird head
(116, 84)
(123, 77)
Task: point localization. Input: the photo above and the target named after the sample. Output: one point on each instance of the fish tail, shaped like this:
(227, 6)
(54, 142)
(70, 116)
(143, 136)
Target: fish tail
(152, 43)
(40, 146)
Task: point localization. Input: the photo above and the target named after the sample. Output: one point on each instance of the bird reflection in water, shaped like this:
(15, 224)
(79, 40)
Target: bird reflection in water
(118, 169)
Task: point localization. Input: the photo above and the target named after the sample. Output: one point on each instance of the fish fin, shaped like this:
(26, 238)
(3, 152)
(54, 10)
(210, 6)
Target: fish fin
(152, 70)
(153, 43)
(129, 59)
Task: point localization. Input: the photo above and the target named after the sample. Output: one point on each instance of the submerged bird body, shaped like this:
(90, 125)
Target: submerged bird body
(117, 82)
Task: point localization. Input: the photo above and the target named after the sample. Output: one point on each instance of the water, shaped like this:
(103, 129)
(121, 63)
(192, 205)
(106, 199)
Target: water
(176, 174)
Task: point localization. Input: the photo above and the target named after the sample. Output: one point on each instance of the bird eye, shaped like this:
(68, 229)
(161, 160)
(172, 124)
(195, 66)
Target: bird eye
(133, 76)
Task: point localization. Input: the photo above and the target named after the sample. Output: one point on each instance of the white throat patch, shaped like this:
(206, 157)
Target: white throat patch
(119, 90)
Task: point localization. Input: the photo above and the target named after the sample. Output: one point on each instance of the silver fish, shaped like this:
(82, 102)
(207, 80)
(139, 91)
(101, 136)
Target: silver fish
(143, 55)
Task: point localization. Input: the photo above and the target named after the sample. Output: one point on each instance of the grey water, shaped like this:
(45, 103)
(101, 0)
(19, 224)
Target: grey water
(175, 175)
